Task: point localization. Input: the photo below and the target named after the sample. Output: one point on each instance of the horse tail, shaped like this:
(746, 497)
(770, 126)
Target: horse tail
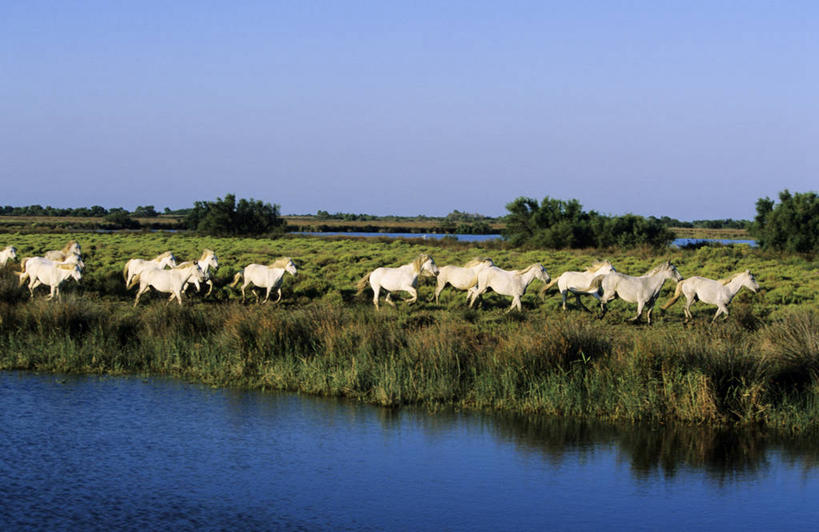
(362, 284)
(548, 286)
(236, 279)
(677, 294)
(134, 280)
(22, 274)
(125, 271)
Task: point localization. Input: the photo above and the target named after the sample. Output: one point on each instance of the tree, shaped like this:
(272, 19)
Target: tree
(558, 224)
(792, 225)
(227, 217)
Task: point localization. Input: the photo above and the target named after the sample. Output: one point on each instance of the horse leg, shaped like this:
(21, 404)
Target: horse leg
(640, 305)
(178, 297)
(438, 289)
(414, 293)
(139, 293)
(210, 287)
(687, 309)
(515, 304)
(267, 294)
(376, 290)
(563, 296)
(279, 298)
(388, 299)
(243, 292)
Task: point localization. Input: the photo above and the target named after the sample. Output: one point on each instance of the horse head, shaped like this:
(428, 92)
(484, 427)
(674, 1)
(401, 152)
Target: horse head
(424, 263)
(209, 259)
(749, 281)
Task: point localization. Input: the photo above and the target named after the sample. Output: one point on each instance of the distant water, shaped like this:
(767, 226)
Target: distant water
(679, 242)
(89, 453)
(426, 236)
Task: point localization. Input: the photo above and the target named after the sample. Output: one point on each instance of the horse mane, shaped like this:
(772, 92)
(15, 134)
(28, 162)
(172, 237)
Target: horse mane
(182, 265)
(419, 262)
(281, 262)
(66, 266)
(666, 264)
(533, 265)
(478, 260)
(205, 253)
(597, 265)
(729, 279)
(163, 255)
(67, 247)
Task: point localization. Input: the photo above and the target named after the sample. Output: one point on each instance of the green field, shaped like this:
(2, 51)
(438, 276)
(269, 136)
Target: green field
(759, 367)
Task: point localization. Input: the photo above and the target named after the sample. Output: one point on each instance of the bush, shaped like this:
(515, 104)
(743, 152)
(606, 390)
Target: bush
(225, 217)
(793, 225)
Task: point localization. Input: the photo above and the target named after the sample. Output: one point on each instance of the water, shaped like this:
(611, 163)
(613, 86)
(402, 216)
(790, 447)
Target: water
(679, 242)
(425, 236)
(102, 453)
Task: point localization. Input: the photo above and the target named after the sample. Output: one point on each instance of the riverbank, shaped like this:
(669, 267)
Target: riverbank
(560, 365)
(760, 367)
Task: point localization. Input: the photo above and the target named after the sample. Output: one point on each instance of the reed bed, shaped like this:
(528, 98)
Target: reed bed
(562, 365)
(760, 368)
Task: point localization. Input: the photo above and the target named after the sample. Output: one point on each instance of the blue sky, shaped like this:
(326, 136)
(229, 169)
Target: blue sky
(687, 109)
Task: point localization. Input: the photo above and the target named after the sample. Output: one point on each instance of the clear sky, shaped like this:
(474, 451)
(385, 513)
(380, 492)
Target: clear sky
(687, 109)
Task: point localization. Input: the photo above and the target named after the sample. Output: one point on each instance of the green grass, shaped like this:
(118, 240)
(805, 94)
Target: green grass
(761, 367)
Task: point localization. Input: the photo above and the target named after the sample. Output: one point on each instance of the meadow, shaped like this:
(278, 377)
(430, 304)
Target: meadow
(761, 367)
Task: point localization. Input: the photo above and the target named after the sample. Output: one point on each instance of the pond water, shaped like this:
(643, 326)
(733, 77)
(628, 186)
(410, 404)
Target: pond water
(99, 453)
(425, 236)
(679, 242)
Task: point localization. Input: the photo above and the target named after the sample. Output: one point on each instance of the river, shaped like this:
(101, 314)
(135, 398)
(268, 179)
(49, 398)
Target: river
(96, 453)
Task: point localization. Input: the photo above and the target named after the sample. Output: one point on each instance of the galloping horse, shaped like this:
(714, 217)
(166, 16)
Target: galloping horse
(507, 283)
(580, 283)
(168, 281)
(47, 272)
(71, 260)
(642, 290)
(404, 278)
(462, 278)
(719, 293)
(206, 261)
(9, 252)
(59, 255)
(134, 267)
(268, 277)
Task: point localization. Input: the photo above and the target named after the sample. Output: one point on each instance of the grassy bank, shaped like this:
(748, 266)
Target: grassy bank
(760, 367)
(565, 365)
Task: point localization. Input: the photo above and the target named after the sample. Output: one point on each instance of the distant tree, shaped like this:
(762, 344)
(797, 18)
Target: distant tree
(120, 219)
(792, 225)
(145, 211)
(564, 224)
(227, 217)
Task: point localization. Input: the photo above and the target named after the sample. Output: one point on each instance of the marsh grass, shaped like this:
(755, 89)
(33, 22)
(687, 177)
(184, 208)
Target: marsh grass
(761, 367)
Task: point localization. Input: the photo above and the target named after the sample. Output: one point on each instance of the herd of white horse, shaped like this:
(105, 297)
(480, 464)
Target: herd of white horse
(476, 277)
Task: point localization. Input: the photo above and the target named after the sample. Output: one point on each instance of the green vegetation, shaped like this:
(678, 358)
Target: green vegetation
(226, 217)
(792, 225)
(761, 367)
(558, 224)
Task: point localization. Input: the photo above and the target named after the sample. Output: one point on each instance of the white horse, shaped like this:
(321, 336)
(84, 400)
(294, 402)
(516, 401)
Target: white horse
(135, 266)
(404, 278)
(719, 293)
(508, 283)
(268, 277)
(462, 278)
(167, 281)
(70, 260)
(580, 283)
(8, 253)
(206, 262)
(642, 290)
(59, 255)
(50, 273)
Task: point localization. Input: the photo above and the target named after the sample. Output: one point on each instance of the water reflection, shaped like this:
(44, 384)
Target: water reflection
(164, 452)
